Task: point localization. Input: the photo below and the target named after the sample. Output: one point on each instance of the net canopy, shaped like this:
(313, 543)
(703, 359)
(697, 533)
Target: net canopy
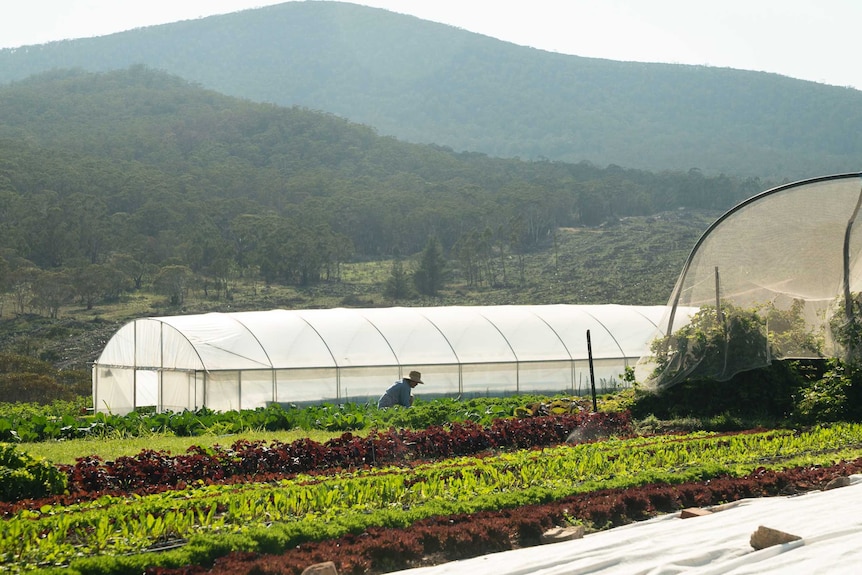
(768, 280)
(246, 360)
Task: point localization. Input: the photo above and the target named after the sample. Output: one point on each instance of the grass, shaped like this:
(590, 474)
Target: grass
(138, 304)
(111, 448)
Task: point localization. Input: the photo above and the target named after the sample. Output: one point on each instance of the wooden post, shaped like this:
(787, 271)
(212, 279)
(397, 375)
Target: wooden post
(592, 373)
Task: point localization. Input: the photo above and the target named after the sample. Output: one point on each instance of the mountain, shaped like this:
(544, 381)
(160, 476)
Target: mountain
(430, 83)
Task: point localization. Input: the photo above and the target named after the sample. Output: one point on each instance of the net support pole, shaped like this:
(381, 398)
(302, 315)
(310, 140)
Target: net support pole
(718, 316)
(592, 372)
(848, 297)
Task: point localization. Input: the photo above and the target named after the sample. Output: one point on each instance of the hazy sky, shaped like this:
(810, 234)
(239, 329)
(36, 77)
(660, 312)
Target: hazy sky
(806, 39)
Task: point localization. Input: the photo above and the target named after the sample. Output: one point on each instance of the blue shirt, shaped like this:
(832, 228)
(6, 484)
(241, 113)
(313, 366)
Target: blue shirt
(397, 394)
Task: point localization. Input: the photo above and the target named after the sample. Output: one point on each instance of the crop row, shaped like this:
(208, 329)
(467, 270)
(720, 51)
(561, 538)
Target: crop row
(453, 537)
(244, 458)
(23, 477)
(307, 507)
(33, 424)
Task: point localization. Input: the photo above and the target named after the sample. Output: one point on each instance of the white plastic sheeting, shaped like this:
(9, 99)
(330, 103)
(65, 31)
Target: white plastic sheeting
(247, 360)
(827, 522)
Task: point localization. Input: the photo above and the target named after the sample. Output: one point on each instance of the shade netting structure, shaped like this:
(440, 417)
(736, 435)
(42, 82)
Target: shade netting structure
(776, 277)
(247, 360)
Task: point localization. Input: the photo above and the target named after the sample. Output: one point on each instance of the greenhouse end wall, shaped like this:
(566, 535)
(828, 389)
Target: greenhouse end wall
(249, 360)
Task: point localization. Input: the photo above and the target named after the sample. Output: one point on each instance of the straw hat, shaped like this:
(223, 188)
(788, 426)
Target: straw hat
(415, 376)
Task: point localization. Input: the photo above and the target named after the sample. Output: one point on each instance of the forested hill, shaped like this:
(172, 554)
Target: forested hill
(145, 167)
(430, 83)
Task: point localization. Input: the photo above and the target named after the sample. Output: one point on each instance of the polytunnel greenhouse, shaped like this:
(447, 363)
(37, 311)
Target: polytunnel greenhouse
(777, 276)
(246, 360)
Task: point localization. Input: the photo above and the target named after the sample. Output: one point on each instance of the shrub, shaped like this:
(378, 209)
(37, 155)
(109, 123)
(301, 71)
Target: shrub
(765, 394)
(833, 397)
(28, 380)
(23, 477)
(32, 388)
(14, 363)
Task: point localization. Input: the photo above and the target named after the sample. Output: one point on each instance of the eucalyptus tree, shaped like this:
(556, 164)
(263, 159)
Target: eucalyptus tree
(174, 281)
(87, 215)
(51, 290)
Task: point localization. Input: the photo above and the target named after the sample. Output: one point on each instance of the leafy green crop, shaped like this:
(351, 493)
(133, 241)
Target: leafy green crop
(36, 423)
(309, 507)
(22, 476)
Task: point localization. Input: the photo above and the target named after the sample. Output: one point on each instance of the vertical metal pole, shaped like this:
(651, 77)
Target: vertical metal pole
(135, 372)
(96, 381)
(848, 297)
(160, 397)
(592, 373)
(517, 376)
(718, 316)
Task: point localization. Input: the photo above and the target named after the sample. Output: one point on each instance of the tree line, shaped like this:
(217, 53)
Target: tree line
(113, 182)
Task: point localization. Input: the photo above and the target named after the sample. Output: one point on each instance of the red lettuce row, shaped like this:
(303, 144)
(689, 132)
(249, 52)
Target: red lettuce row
(150, 469)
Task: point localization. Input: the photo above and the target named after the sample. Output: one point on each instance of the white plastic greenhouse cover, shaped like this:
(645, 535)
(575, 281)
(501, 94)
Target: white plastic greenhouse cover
(247, 360)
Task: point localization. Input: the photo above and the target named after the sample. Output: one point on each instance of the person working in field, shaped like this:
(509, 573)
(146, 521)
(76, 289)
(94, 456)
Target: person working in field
(400, 392)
